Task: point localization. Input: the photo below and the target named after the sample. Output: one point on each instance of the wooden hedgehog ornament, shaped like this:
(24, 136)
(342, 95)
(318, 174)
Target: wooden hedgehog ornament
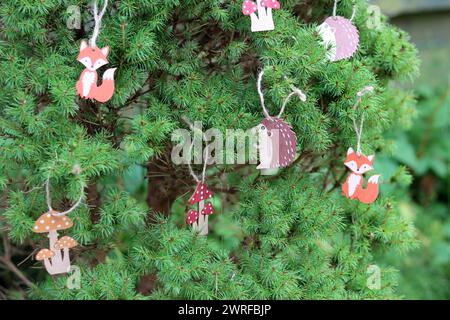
(277, 142)
(339, 36)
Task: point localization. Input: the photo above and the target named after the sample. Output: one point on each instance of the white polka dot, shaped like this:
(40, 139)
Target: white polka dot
(42, 221)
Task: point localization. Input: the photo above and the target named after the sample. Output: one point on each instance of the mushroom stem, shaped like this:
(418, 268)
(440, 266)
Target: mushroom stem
(48, 265)
(66, 258)
(253, 19)
(269, 14)
(202, 220)
(53, 236)
(261, 10)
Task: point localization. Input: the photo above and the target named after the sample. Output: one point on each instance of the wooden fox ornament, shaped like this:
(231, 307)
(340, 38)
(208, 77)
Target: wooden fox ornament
(353, 186)
(93, 58)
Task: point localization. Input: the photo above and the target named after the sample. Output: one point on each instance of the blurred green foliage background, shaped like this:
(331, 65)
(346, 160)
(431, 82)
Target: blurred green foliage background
(424, 150)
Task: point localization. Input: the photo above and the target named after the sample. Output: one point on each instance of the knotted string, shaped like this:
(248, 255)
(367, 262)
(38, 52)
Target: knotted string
(295, 91)
(49, 201)
(205, 156)
(358, 132)
(98, 20)
(335, 10)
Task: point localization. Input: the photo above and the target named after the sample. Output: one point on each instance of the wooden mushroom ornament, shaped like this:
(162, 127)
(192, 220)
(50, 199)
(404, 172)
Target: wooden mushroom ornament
(199, 196)
(45, 255)
(51, 223)
(57, 260)
(264, 20)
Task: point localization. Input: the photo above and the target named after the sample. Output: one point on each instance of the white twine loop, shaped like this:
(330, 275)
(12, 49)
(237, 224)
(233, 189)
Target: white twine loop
(98, 20)
(205, 156)
(49, 201)
(360, 94)
(335, 10)
(295, 91)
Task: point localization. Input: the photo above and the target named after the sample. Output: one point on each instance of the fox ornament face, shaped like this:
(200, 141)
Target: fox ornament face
(93, 58)
(353, 186)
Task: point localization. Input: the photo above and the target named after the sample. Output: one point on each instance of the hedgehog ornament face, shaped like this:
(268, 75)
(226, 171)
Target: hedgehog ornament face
(340, 36)
(277, 144)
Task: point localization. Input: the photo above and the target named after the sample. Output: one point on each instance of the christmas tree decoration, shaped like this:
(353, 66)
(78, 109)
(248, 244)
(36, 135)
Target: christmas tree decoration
(339, 36)
(56, 258)
(359, 164)
(208, 209)
(264, 20)
(192, 217)
(201, 194)
(93, 58)
(290, 236)
(277, 142)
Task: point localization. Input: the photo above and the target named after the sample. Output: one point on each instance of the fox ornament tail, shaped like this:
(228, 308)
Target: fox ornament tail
(92, 59)
(353, 186)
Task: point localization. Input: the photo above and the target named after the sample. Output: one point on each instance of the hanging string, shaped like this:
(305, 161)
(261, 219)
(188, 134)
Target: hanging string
(205, 155)
(49, 201)
(295, 91)
(98, 19)
(261, 95)
(335, 9)
(353, 11)
(358, 132)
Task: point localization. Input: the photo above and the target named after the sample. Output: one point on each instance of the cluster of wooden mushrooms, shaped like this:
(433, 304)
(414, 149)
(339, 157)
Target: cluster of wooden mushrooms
(199, 218)
(56, 258)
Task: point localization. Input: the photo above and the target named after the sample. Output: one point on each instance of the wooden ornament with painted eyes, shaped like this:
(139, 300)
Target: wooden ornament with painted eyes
(359, 164)
(93, 58)
(340, 37)
(277, 143)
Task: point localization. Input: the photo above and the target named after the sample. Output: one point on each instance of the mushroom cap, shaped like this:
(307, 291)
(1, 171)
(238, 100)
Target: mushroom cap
(249, 7)
(273, 4)
(48, 222)
(201, 193)
(65, 242)
(44, 254)
(208, 209)
(192, 216)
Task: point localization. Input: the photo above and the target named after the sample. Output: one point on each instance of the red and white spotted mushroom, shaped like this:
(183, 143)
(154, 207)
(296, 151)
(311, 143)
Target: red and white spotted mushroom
(249, 7)
(272, 4)
(199, 196)
(201, 193)
(192, 216)
(208, 209)
(264, 20)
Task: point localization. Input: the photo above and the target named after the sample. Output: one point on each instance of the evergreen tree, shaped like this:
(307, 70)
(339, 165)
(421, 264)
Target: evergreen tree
(287, 236)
